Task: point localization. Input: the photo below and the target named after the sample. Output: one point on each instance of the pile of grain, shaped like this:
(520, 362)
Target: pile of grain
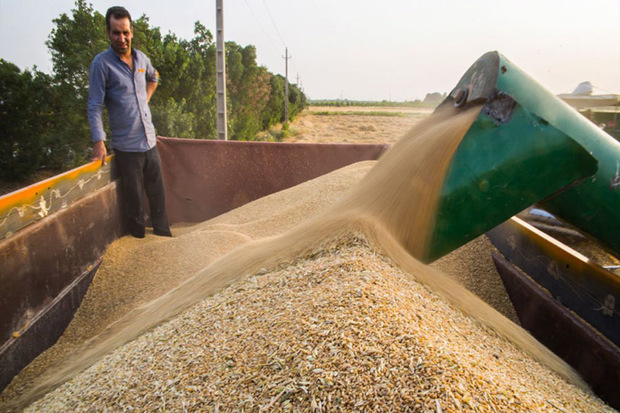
(339, 329)
(136, 271)
(392, 207)
(472, 265)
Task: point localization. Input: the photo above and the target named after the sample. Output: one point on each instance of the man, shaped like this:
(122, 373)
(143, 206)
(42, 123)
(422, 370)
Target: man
(124, 80)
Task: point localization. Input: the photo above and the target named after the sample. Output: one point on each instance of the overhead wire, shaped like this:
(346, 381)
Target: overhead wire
(279, 35)
(275, 48)
(274, 23)
(275, 26)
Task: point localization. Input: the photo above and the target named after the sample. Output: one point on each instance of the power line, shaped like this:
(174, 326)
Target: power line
(274, 23)
(275, 48)
(275, 26)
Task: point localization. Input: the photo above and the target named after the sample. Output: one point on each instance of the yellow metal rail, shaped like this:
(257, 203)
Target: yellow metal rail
(25, 206)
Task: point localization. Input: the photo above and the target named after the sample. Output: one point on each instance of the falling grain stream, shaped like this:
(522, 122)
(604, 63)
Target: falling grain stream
(358, 253)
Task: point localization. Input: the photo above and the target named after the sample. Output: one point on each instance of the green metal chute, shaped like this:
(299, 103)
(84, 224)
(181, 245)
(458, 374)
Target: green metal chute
(526, 147)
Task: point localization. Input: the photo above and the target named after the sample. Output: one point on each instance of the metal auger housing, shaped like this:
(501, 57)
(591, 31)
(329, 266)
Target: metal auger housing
(526, 147)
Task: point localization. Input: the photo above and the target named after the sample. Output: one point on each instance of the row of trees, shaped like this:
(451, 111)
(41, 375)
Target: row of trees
(384, 103)
(43, 122)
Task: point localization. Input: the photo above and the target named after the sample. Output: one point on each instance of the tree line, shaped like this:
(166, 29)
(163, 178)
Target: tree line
(43, 119)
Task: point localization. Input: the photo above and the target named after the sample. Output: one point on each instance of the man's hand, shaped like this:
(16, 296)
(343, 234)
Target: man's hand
(99, 152)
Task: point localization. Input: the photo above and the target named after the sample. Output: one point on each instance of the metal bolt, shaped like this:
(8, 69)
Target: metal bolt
(461, 97)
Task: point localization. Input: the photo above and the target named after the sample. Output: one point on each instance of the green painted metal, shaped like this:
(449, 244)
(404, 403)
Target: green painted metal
(526, 146)
(499, 170)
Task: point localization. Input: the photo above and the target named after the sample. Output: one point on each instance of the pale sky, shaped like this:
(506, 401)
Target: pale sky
(371, 50)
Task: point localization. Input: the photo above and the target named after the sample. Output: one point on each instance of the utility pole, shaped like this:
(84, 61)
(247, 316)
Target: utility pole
(220, 64)
(286, 57)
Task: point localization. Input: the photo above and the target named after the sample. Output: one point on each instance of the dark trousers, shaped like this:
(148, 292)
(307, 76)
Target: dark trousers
(140, 172)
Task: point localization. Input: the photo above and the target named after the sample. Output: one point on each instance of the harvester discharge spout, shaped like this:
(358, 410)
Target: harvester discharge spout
(525, 147)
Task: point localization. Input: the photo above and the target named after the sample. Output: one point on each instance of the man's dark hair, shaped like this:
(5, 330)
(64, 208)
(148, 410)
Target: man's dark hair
(117, 12)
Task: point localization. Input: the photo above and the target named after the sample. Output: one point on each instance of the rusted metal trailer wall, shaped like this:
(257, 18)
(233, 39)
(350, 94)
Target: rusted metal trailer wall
(207, 178)
(49, 258)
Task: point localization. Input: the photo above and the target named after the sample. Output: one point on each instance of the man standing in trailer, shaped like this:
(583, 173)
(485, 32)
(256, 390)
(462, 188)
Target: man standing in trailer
(124, 80)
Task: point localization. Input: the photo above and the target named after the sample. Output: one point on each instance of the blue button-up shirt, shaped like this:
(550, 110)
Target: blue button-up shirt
(124, 94)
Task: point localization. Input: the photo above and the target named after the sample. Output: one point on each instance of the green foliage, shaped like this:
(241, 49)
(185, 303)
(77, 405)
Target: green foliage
(24, 117)
(173, 119)
(248, 91)
(44, 122)
(73, 43)
(273, 113)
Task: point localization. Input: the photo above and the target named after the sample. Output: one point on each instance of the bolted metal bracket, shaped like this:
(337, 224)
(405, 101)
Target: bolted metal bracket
(499, 106)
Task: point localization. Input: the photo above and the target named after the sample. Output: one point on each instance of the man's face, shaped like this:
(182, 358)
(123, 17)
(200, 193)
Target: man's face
(120, 35)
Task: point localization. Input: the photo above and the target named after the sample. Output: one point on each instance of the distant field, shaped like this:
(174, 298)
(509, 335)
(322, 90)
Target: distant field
(355, 124)
(369, 109)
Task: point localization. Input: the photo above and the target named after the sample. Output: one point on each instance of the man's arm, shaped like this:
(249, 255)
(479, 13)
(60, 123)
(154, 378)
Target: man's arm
(96, 95)
(150, 89)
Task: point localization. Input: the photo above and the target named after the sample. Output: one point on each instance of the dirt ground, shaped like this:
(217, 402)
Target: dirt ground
(380, 125)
